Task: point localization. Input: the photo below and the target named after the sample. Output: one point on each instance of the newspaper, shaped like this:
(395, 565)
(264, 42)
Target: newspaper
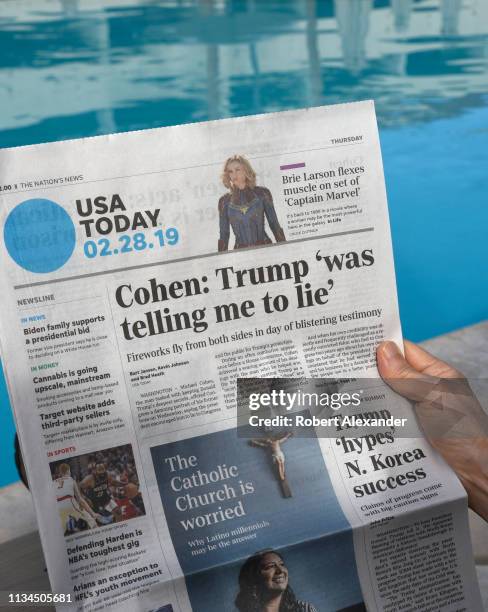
(144, 274)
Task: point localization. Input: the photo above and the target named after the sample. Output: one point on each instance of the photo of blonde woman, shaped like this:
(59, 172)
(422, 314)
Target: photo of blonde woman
(244, 208)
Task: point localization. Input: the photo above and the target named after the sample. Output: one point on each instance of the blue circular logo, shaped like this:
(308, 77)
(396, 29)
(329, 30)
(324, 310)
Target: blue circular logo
(39, 235)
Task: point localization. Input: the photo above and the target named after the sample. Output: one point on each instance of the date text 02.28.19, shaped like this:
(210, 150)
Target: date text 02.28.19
(130, 244)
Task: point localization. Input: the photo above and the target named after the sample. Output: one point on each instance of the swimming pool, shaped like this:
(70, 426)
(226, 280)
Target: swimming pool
(72, 68)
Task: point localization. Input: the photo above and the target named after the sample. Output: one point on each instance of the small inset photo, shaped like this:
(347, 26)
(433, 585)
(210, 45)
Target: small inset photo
(97, 489)
(245, 208)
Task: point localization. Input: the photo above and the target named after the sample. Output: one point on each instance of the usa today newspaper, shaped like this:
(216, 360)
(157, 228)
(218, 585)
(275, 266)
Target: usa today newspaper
(143, 274)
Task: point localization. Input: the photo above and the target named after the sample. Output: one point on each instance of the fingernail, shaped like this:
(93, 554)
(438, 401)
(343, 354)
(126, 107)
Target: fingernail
(390, 351)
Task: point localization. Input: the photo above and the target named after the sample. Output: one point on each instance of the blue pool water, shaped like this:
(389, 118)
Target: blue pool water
(72, 68)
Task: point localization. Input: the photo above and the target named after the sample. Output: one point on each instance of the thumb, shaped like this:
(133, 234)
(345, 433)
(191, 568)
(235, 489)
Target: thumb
(400, 375)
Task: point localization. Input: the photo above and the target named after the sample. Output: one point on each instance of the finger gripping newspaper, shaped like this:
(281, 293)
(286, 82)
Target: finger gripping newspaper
(144, 274)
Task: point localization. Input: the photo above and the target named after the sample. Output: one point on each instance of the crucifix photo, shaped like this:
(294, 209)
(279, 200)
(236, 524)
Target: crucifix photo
(273, 444)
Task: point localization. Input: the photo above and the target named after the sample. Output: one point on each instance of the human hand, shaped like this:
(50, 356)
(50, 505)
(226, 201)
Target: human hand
(448, 411)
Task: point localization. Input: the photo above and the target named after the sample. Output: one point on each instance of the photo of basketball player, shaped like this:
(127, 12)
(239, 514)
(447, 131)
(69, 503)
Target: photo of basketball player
(74, 511)
(97, 489)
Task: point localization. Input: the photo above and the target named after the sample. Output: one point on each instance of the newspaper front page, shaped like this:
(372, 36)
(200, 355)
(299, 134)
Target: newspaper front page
(144, 274)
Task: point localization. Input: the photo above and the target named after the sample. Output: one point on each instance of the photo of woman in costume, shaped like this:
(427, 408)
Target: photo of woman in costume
(244, 208)
(264, 586)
